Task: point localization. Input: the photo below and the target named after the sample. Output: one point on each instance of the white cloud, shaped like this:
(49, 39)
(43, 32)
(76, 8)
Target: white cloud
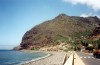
(95, 4)
(89, 14)
(86, 15)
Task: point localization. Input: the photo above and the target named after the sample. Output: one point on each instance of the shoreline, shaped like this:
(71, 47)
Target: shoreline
(52, 58)
(33, 60)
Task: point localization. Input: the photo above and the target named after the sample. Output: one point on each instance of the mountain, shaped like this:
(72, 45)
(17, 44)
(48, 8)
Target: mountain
(61, 28)
(95, 35)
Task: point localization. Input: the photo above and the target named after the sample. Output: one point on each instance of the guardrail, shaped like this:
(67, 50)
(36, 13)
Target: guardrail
(70, 60)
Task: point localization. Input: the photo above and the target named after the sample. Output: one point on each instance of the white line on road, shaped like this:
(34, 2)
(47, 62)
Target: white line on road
(87, 57)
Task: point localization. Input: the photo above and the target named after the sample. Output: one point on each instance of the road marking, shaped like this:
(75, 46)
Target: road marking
(84, 57)
(92, 57)
(81, 57)
(87, 57)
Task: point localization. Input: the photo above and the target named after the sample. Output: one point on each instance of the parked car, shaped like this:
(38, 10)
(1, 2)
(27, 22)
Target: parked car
(96, 53)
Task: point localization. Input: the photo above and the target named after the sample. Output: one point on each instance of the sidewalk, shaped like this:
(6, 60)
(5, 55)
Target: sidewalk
(69, 61)
(77, 60)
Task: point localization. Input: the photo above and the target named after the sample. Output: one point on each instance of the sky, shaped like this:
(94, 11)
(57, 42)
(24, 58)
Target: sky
(19, 16)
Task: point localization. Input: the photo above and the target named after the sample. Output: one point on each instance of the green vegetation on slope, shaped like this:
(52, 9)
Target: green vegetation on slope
(61, 38)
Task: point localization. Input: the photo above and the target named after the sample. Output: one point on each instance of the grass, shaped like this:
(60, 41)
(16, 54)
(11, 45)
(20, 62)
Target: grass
(35, 49)
(80, 34)
(61, 38)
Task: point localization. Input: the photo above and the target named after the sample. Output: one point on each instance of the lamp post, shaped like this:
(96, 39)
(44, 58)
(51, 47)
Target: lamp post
(73, 44)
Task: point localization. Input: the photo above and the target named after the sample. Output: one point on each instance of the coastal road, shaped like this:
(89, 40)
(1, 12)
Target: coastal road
(88, 59)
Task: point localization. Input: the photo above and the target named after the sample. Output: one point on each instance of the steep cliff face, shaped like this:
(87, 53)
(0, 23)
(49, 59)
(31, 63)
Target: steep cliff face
(62, 26)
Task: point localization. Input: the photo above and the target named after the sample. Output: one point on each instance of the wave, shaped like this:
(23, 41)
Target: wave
(26, 62)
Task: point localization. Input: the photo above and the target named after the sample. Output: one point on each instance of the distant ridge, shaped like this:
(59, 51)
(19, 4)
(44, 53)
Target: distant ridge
(60, 28)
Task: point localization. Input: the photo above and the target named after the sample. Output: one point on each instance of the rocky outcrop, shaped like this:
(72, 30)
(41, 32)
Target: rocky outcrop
(60, 28)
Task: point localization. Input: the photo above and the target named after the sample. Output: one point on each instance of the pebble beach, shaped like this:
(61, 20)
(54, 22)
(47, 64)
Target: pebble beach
(55, 58)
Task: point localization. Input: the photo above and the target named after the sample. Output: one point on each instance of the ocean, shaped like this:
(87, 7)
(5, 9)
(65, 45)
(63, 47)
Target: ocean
(11, 57)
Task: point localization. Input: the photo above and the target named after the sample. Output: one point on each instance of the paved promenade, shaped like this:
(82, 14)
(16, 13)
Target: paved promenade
(77, 60)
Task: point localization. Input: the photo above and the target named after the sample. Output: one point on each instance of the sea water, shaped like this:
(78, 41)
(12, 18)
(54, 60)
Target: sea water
(11, 57)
